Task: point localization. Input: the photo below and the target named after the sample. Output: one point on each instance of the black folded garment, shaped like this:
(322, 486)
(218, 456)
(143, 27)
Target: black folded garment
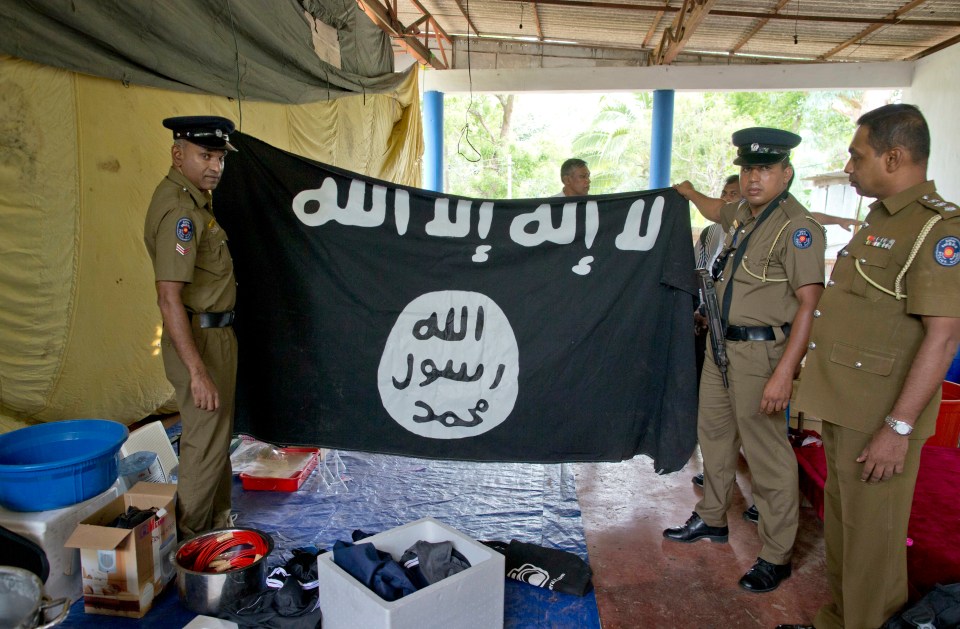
(133, 517)
(549, 568)
(428, 562)
(289, 601)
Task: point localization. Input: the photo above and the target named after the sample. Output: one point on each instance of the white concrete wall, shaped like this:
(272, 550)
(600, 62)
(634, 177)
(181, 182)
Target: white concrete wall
(936, 91)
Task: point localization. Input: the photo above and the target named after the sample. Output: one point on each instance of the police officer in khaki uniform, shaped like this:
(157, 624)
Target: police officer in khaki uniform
(196, 292)
(769, 278)
(886, 331)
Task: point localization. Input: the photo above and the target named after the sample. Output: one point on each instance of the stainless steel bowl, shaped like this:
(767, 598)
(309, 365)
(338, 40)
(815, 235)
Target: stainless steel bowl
(209, 593)
(22, 603)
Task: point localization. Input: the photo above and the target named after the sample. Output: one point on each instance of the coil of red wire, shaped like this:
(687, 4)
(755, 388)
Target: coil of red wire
(222, 551)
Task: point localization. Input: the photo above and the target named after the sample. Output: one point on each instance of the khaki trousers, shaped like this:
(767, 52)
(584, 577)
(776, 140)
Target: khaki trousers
(205, 479)
(730, 418)
(865, 531)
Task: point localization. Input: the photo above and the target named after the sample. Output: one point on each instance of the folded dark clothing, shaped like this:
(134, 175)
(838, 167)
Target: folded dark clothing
(428, 562)
(358, 535)
(378, 570)
(291, 600)
(270, 609)
(133, 517)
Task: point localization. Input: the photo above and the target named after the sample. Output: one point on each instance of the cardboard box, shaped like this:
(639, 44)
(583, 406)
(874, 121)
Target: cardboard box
(124, 569)
(50, 530)
(472, 598)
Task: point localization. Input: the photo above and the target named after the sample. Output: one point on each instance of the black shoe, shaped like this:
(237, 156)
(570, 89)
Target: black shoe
(697, 480)
(796, 627)
(764, 576)
(695, 529)
(751, 514)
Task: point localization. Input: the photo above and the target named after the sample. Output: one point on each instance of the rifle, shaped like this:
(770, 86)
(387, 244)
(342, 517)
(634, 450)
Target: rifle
(714, 323)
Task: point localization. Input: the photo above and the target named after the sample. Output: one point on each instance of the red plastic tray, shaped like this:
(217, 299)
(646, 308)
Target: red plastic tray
(290, 483)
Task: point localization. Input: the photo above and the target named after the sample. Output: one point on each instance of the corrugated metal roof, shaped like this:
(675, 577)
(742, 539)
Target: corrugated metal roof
(759, 31)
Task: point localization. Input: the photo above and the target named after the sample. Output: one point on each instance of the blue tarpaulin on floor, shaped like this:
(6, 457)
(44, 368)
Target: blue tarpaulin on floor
(374, 493)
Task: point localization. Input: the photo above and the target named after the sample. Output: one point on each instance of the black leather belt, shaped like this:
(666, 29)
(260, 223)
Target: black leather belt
(754, 333)
(214, 319)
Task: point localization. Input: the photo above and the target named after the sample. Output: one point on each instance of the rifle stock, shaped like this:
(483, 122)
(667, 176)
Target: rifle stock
(714, 323)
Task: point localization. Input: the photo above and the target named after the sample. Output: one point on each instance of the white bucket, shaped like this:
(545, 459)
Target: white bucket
(141, 466)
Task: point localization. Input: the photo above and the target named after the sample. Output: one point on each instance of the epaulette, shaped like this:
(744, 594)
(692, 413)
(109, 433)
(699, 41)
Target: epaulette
(817, 223)
(937, 204)
(793, 209)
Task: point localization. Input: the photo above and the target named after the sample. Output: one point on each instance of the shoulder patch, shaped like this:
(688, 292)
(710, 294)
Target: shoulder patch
(947, 251)
(802, 238)
(185, 229)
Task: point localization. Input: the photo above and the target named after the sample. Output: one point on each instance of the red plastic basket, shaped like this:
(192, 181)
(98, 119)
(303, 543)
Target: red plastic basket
(290, 483)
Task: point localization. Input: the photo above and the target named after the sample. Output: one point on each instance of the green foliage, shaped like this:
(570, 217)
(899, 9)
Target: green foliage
(498, 146)
(491, 155)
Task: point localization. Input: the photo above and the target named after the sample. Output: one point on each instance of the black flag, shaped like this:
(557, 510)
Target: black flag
(384, 318)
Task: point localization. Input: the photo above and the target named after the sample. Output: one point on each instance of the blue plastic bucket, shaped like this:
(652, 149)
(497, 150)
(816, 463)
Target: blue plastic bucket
(55, 465)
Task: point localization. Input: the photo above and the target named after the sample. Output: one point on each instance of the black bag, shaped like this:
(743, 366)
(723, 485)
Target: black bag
(547, 568)
(20, 552)
(939, 609)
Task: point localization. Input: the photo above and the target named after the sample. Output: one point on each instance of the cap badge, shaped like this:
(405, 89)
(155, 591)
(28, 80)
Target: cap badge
(755, 147)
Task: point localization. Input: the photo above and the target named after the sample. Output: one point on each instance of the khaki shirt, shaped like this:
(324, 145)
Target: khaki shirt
(786, 253)
(186, 244)
(864, 339)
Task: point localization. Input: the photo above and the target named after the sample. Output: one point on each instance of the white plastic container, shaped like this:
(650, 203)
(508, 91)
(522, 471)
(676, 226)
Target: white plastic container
(469, 599)
(49, 530)
(140, 466)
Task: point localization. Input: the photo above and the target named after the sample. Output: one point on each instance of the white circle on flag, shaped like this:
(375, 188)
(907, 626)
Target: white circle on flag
(450, 366)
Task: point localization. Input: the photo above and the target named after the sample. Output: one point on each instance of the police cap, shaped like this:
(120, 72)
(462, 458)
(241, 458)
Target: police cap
(762, 145)
(212, 132)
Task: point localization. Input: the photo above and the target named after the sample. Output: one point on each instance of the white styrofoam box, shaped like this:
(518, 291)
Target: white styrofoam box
(208, 622)
(468, 599)
(49, 530)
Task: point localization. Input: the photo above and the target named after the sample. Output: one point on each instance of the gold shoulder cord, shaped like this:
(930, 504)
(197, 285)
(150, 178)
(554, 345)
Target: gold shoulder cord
(913, 254)
(766, 263)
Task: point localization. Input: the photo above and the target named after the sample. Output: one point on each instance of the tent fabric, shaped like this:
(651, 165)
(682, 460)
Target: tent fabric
(80, 157)
(250, 50)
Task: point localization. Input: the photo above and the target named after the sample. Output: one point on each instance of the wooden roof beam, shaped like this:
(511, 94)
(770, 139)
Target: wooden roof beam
(756, 29)
(653, 26)
(536, 18)
(467, 17)
(676, 36)
(387, 21)
(436, 26)
(870, 29)
(935, 48)
(755, 15)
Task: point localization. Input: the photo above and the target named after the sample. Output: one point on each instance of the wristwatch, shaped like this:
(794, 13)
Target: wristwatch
(899, 427)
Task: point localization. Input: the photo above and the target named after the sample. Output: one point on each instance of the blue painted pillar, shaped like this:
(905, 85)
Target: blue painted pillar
(433, 141)
(661, 139)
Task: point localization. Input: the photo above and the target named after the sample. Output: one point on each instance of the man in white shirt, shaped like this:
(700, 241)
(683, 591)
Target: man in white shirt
(575, 176)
